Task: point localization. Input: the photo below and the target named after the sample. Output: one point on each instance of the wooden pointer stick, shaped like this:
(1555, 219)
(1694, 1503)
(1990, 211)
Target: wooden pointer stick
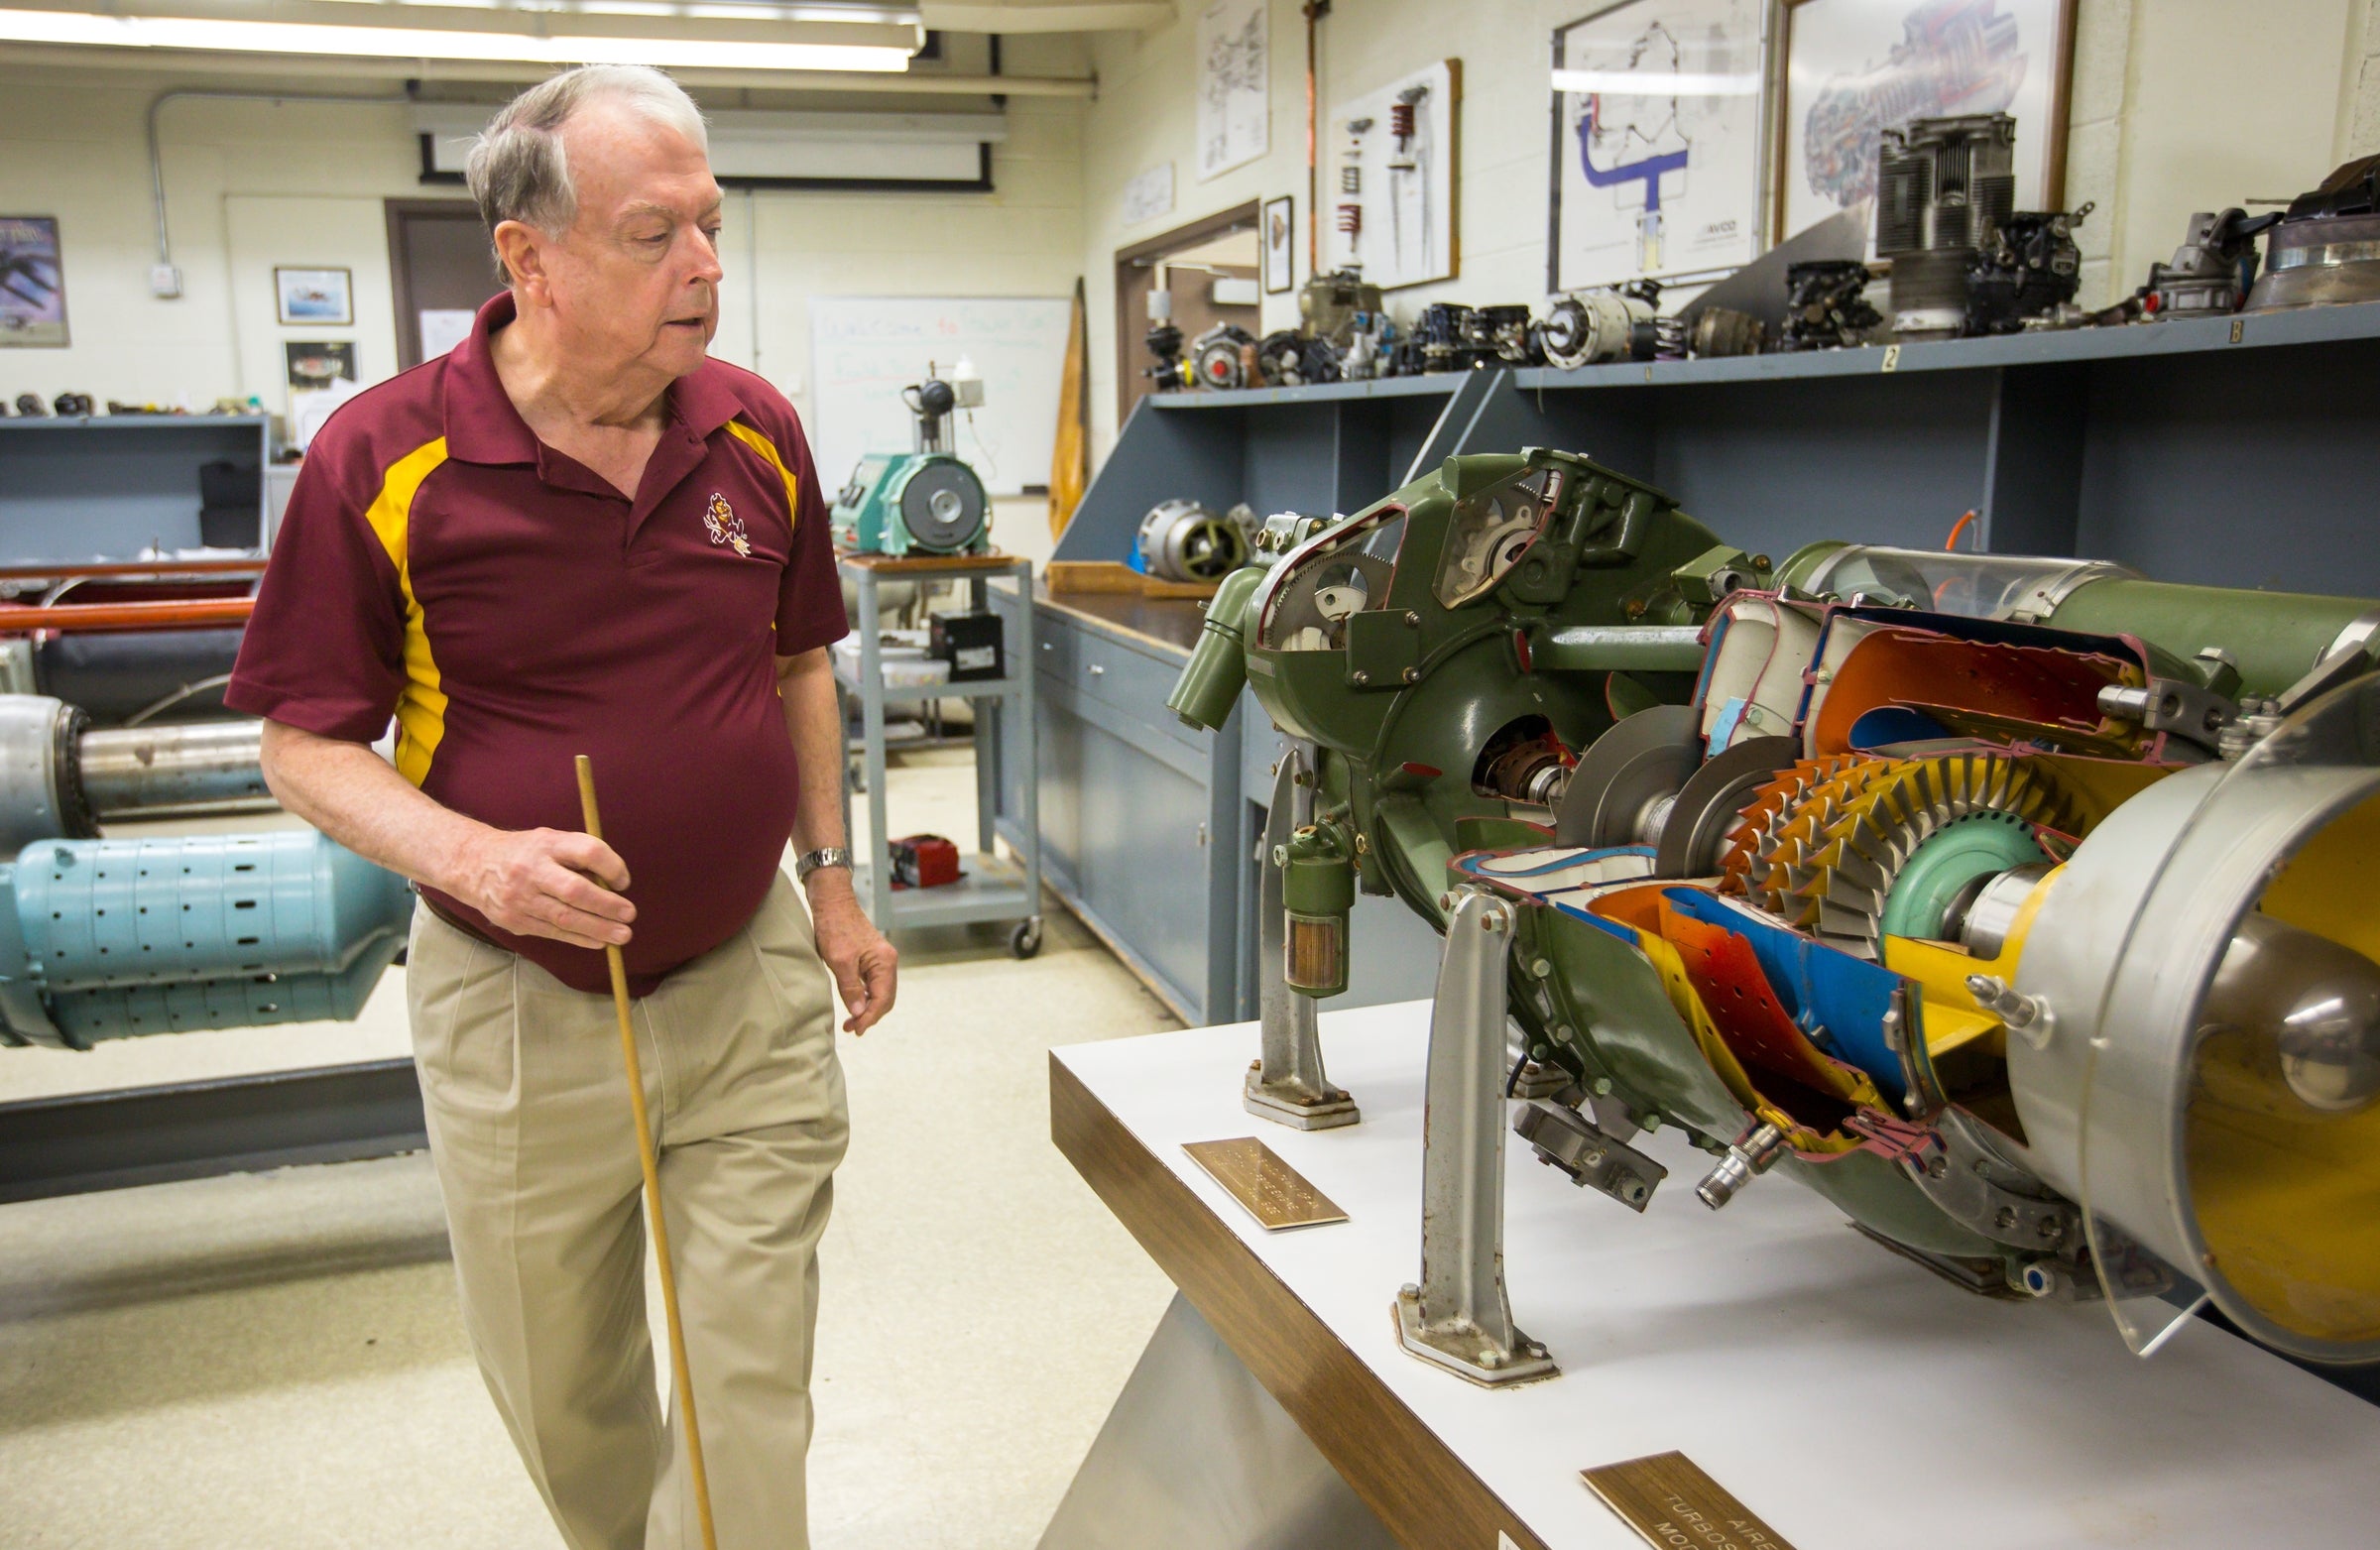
(682, 1385)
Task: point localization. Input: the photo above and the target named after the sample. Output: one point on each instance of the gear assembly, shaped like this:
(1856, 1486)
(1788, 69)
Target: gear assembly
(2014, 906)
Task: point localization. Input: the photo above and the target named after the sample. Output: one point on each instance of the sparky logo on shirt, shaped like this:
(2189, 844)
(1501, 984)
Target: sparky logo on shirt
(725, 526)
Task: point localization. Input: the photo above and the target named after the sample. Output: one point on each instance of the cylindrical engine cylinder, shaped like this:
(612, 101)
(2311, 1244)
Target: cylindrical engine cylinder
(201, 764)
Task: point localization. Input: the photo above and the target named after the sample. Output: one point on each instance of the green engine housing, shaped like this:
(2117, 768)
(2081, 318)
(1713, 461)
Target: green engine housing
(901, 503)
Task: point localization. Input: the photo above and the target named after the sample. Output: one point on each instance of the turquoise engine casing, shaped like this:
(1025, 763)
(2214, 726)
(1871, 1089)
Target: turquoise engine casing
(111, 938)
(865, 518)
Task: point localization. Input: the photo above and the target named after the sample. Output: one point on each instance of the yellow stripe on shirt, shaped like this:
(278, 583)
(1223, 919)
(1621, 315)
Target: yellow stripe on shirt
(768, 450)
(422, 706)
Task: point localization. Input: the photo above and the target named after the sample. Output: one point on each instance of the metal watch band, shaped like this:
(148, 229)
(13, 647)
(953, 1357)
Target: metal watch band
(825, 856)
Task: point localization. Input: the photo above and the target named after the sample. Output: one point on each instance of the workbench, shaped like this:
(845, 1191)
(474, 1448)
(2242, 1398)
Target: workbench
(1850, 1399)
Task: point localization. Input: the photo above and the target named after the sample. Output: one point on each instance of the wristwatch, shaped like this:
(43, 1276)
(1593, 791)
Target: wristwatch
(824, 856)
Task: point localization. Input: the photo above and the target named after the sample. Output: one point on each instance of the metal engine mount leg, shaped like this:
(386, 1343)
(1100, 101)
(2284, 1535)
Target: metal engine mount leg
(1459, 1317)
(1288, 1085)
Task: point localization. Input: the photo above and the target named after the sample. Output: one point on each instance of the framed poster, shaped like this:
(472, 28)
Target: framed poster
(1148, 195)
(314, 296)
(1659, 125)
(1280, 244)
(1391, 179)
(32, 283)
(1234, 77)
(1854, 69)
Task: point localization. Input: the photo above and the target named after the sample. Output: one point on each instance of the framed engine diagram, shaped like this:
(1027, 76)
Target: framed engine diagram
(1391, 183)
(1854, 69)
(1659, 130)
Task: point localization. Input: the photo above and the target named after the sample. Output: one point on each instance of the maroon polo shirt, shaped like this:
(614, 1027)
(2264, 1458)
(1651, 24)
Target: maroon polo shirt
(511, 610)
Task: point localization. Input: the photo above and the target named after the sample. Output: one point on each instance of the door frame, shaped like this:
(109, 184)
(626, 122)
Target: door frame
(1130, 332)
(401, 280)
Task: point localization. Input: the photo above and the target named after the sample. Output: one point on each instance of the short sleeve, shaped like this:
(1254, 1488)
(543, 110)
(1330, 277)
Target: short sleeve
(809, 596)
(324, 650)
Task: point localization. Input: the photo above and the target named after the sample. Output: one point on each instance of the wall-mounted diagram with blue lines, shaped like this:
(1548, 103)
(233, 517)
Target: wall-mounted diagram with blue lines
(1657, 137)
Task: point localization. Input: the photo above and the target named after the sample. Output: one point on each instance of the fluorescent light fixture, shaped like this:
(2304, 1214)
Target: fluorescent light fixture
(1657, 84)
(222, 36)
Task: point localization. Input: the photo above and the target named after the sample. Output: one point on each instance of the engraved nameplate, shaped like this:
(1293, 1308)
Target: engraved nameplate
(1670, 1502)
(1272, 1192)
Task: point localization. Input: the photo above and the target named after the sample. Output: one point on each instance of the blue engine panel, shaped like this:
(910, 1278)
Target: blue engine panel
(109, 938)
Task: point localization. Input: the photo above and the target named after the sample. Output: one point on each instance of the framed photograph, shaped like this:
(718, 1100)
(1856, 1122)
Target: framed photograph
(314, 366)
(1280, 244)
(32, 283)
(1854, 69)
(1660, 117)
(314, 296)
(1393, 156)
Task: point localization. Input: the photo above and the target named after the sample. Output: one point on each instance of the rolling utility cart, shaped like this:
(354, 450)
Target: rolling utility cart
(991, 889)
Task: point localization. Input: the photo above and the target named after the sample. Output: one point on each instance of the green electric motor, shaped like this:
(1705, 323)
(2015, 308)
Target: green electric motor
(926, 500)
(901, 503)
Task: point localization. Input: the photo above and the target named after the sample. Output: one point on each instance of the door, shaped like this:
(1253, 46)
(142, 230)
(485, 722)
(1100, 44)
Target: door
(1185, 263)
(441, 268)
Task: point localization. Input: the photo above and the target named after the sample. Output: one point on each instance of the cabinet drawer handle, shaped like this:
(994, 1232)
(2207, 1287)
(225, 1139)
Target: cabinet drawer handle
(1097, 670)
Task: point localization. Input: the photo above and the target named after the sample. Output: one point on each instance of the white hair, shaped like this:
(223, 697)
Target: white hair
(518, 170)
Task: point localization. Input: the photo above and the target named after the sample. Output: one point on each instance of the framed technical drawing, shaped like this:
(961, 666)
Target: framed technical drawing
(1391, 179)
(1856, 67)
(33, 281)
(314, 296)
(1235, 69)
(1280, 244)
(1659, 127)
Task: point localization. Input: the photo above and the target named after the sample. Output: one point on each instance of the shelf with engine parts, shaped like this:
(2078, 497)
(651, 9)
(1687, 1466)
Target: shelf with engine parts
(2010, 904)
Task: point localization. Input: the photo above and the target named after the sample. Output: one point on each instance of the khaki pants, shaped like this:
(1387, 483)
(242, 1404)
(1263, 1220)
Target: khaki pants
(536, 1159)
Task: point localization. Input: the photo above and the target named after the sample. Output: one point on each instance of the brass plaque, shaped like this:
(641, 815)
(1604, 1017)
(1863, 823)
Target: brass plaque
(1273, 1192)
(1670, 1502)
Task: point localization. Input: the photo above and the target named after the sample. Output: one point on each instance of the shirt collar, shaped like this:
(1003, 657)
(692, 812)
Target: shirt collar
(483, 427)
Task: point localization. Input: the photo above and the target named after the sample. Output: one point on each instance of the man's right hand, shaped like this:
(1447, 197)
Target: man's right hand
(550, 883)
(545, 883)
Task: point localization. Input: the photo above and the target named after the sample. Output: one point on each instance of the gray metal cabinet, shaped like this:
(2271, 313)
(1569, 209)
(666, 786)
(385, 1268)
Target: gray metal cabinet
(1134, 804)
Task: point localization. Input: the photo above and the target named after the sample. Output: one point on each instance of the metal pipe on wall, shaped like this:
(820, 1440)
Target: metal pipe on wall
(157, 171)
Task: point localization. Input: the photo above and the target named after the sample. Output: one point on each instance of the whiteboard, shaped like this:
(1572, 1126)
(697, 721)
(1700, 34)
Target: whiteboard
(865, 349)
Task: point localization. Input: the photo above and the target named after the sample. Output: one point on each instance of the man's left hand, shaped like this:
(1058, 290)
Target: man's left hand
(864, 964)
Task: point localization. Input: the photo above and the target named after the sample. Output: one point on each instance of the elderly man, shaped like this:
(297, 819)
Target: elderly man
(578, 533)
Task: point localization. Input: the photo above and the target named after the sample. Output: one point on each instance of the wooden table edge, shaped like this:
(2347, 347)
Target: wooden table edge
(1425, 1495)
(1057, 602)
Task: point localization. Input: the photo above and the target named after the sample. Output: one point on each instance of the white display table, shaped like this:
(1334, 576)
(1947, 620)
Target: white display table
(1848, 1397)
